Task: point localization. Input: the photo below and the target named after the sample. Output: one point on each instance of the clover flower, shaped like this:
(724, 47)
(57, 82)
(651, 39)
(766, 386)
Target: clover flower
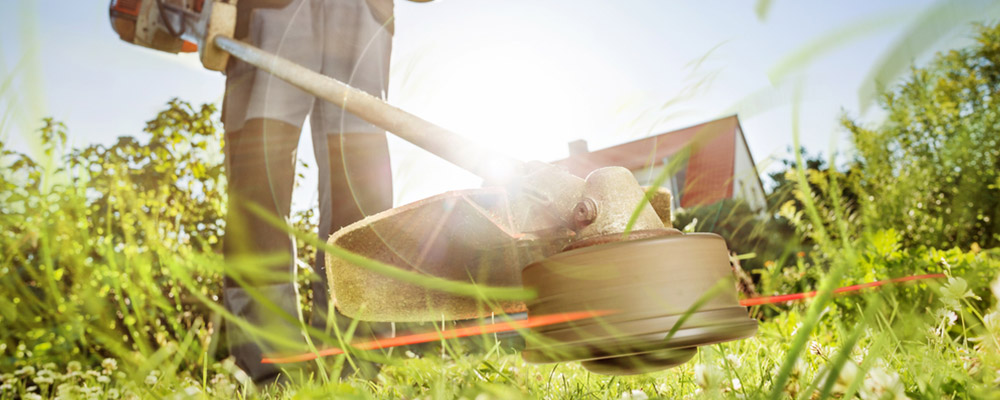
(734, 360)
(109, 365)
(73, 366)
(44, 377)
(151, 379)
(847, 375)
(66, 391)
(636, 394)
(880, 384)
(707, 377)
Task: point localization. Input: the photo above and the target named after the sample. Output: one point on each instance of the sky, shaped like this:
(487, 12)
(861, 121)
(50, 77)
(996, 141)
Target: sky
(524, 77)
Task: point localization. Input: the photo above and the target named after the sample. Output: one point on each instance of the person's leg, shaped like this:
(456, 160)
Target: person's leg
(357, 183)
(263, 117)
(355, 180)
(260, 256)
(355, 176)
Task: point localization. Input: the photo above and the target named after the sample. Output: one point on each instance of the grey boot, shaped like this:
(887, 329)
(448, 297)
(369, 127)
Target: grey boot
(248, 348)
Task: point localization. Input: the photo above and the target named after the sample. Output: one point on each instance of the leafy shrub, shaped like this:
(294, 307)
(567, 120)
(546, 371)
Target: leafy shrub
(931, 171)
(104, 252)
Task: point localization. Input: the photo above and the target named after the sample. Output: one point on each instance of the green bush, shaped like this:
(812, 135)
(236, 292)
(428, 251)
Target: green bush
(104, 251)
(931, 171)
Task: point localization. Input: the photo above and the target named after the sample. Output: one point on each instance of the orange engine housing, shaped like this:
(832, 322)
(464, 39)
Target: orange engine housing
(141, 22)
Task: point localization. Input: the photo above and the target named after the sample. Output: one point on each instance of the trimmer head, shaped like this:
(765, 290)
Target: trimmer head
(660, 293)
(665, 295)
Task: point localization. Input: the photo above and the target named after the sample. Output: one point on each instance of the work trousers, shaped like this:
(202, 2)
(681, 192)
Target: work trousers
(263, 118)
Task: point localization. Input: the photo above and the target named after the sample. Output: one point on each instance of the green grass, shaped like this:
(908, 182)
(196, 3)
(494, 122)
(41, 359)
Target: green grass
(103, 294)
(110, 275)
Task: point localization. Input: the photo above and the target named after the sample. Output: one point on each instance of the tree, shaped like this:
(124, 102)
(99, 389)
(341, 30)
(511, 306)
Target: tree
(932, 169)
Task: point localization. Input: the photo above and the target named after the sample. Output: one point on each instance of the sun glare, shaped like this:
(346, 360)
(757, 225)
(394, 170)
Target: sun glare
(525, 94)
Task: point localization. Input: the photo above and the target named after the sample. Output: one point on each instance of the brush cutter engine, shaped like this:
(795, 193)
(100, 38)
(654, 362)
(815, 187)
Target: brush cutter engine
(176, 26)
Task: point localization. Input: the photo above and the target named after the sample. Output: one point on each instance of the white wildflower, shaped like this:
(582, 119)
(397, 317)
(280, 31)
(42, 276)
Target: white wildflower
(151, 379)
(734, 360)
(848, 373)
(736, 384)
(26, 371)
(109, 364)
(946, 315)
(93, 392)
(636, 394)
(992, 322)
(880, 384)
(128, 394)
(113, 394)
(73, 366)
(66, 391)
(706, 376)
(31, 396)
(817, 349)
(192, 391)
(6, 387)
(103, 379)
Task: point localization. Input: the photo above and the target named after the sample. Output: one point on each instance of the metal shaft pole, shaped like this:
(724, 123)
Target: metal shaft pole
(448, 145)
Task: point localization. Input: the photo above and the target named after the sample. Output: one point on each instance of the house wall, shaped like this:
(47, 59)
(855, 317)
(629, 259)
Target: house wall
(747, 182)
(645, 176)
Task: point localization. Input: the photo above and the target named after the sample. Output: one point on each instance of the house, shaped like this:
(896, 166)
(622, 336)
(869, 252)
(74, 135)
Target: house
(718, 164)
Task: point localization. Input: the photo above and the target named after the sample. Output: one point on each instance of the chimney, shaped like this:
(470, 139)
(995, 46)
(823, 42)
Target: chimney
(578, 147)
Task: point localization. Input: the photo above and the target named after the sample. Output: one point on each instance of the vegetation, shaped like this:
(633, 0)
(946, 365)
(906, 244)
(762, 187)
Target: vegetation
(109, 271)
(933, 168)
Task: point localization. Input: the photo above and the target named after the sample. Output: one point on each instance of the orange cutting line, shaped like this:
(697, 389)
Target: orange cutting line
(543, 320)
(425, 337)
(755, 301)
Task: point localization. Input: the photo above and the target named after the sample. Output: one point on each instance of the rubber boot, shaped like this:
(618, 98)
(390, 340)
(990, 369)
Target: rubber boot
(247, 348)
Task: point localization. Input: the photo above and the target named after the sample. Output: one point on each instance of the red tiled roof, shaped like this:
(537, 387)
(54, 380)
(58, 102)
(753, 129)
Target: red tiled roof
(710, 167)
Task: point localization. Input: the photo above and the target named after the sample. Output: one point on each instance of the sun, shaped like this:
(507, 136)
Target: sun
(525, 94)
